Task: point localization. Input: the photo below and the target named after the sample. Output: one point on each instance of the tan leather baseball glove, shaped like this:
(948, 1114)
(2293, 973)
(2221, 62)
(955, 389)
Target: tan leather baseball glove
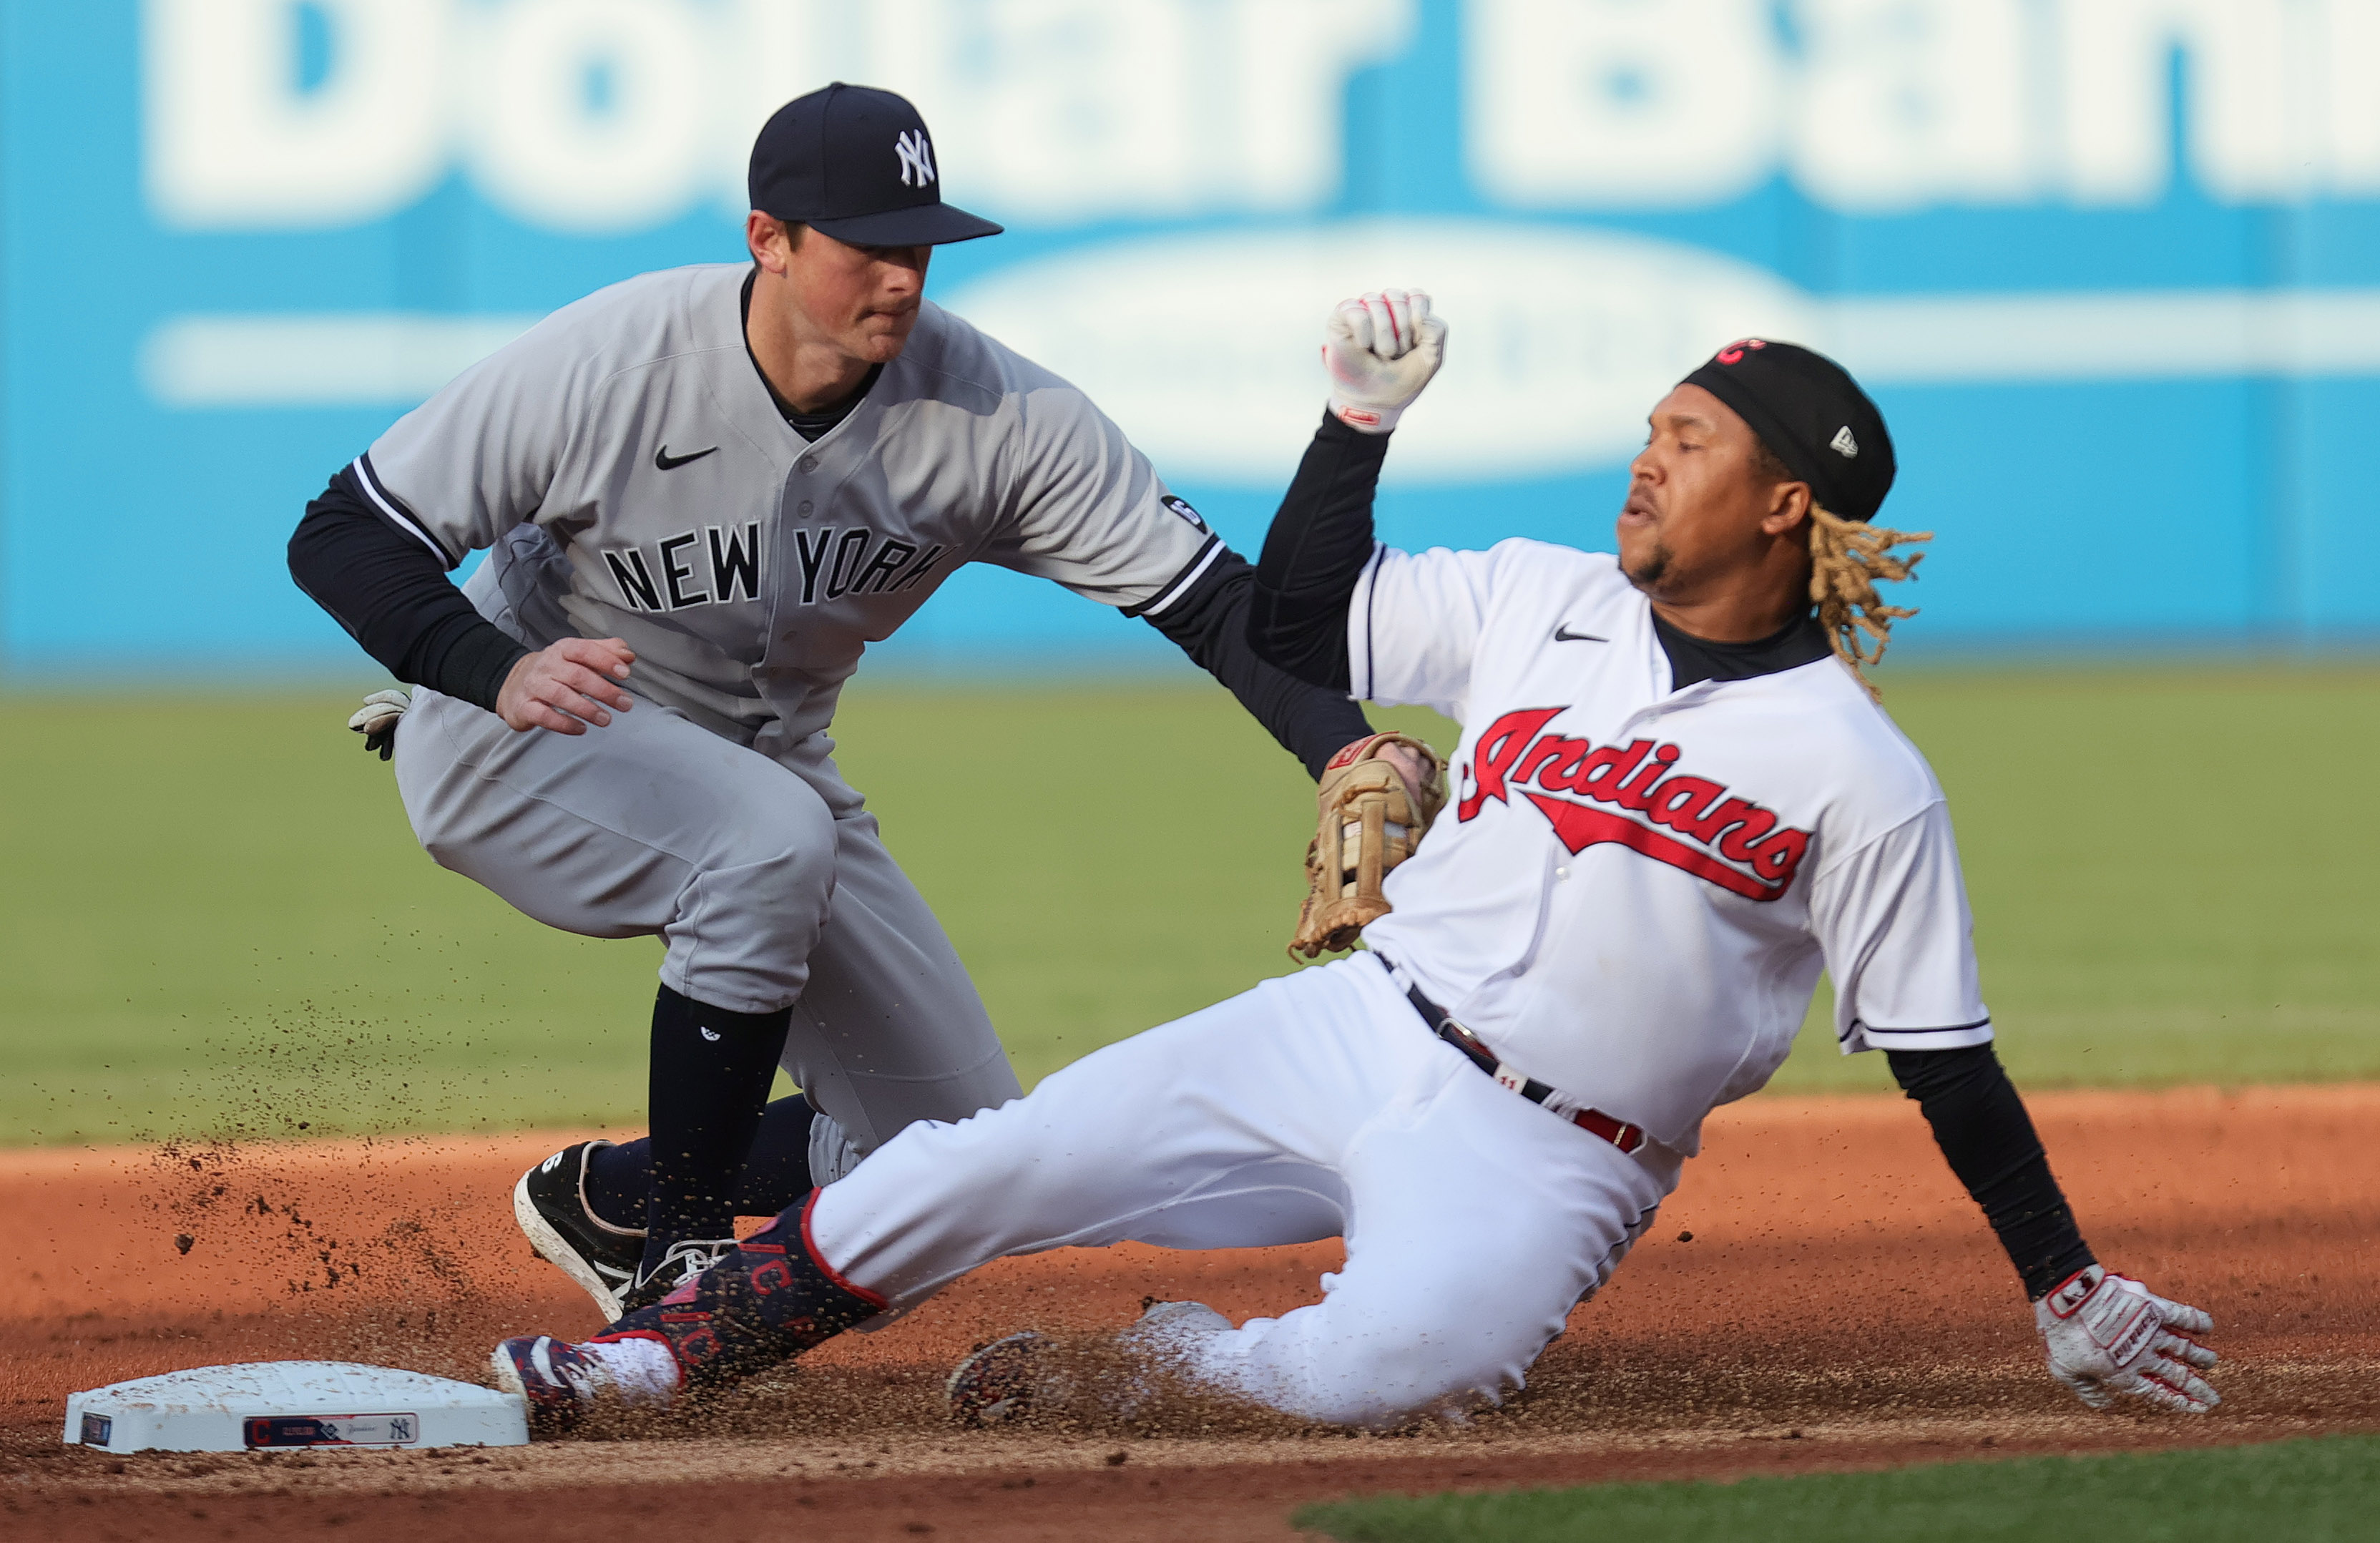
(1372, 817)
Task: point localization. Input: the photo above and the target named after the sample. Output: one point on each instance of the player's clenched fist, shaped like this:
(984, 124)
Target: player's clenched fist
(568, 687)
(2108, 1334)
(1380, 348)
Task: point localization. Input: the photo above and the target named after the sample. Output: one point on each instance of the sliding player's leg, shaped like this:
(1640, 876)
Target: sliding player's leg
(1220, 1129)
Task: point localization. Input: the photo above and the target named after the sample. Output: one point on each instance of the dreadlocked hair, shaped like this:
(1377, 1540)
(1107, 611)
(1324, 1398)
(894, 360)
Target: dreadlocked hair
(1847, 557)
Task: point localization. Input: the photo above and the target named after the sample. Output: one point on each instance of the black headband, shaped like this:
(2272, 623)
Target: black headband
(1808, 410)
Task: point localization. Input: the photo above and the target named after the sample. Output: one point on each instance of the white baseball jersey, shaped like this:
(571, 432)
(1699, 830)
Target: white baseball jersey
(642, 483)
(1633, 890)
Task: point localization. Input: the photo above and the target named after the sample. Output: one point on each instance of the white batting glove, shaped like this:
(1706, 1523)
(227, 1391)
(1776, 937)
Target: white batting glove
(2109, 1334)
(376, 719)
(1380, 349)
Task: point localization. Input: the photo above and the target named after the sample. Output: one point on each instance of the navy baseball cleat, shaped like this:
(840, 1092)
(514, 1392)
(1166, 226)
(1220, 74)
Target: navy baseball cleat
(996, 1382)
(550, 1203)
(558, 1379)
(562, 1381)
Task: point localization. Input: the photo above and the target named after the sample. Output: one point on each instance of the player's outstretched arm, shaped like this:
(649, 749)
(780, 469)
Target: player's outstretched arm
(1379, 792)
(1381, 349)
(2106, 1336)
(1210, 623)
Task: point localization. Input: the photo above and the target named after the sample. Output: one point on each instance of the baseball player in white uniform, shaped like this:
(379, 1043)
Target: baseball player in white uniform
(1676, 802)
(705, 492)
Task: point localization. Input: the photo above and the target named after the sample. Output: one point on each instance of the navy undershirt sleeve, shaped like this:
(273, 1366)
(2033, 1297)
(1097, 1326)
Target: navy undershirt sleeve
(1314, 555)
(1210, 623)
(393, 595)
(1981, 1124)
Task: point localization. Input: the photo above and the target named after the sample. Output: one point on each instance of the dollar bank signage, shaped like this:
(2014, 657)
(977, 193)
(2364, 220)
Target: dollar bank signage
(2113, 265)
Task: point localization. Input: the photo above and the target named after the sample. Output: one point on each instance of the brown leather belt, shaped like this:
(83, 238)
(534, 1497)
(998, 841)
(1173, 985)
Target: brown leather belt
(1619, 1133)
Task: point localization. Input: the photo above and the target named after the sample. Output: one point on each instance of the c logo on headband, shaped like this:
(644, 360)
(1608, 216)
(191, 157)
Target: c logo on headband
(1734, 352)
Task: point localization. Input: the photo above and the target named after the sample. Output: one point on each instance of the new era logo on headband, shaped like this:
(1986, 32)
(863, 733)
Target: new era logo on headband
(1734, 354)
(1843, 444)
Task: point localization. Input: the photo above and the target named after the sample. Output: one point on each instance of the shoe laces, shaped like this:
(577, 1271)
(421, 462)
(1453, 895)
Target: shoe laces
(581, 1379)
(688, 1260)
(560, 1363)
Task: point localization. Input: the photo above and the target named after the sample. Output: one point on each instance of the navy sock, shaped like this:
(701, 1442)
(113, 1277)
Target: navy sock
(710, 1075)
(776, 1172)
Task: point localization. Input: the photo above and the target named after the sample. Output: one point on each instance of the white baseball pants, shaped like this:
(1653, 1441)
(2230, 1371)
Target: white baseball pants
(1316, 1105)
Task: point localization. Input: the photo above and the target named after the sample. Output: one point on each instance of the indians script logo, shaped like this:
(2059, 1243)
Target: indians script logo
(1732, 842)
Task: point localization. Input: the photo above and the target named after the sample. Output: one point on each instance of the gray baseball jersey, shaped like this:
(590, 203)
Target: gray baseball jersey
(747, 569)
(635, 477)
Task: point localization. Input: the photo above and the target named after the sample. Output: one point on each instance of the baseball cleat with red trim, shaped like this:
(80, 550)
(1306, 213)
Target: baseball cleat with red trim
(556, 1377)
(562, 1381)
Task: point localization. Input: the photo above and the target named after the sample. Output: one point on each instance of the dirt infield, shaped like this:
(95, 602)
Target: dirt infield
(1818, 1294)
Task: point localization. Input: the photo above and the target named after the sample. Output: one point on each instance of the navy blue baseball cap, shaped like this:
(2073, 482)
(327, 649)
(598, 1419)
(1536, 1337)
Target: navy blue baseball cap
(857, 163)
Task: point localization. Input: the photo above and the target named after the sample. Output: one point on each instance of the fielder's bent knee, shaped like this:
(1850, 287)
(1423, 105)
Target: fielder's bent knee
(743, 930)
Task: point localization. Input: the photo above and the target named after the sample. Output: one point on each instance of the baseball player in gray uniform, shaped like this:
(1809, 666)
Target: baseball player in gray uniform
(704, 492)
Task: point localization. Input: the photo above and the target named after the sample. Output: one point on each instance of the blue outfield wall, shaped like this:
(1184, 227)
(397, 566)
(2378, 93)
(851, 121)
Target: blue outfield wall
(2111, 267)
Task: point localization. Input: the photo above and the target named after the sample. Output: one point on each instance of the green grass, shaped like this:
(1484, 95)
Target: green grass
(2307, 1492)
(214, 920)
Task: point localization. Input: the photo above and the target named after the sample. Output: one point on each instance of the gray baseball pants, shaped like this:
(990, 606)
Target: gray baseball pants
(765, 877)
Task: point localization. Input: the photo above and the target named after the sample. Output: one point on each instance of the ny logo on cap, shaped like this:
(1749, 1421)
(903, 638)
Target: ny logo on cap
(916, 156)
(1843, 444)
